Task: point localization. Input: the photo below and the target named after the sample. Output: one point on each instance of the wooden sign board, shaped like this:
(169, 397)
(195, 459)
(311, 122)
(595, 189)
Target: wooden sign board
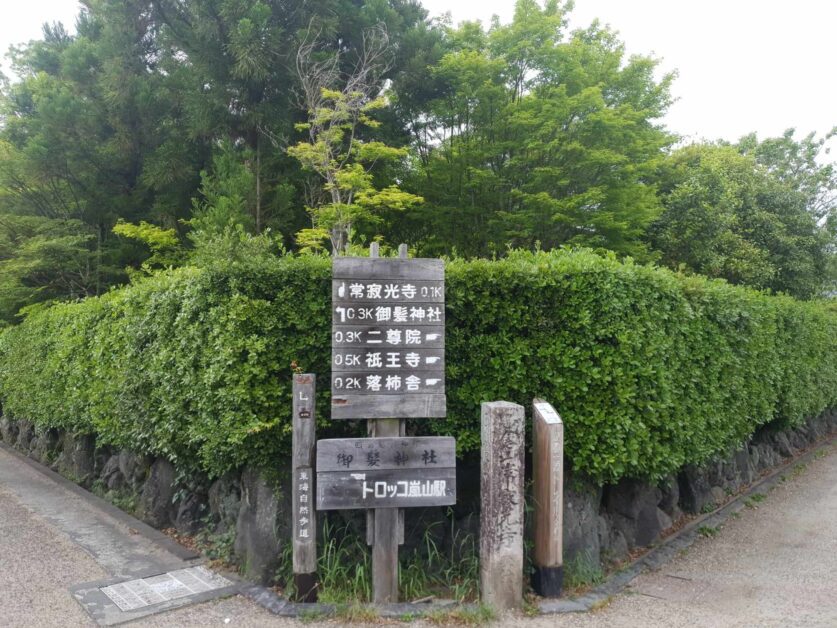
(388, 338)
(399, 472)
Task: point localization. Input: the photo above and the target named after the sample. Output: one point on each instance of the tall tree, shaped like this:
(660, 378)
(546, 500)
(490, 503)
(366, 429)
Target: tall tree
(731, 217)
(538, 136)
(339, 106)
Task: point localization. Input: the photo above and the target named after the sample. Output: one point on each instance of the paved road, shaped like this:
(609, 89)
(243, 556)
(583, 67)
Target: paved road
(775, 565)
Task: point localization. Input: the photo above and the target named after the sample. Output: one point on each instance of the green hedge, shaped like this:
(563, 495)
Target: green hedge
(650, 370)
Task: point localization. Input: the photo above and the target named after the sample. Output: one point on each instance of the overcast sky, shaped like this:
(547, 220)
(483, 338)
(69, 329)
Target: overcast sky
(744, 65)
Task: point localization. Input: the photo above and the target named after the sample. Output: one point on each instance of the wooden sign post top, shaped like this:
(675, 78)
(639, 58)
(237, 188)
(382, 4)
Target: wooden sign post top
(388, 338)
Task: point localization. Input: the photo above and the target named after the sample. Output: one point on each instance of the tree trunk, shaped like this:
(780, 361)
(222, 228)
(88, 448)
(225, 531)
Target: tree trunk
(258, 184)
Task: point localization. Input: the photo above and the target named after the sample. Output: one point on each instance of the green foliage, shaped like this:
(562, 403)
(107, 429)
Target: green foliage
(166, 248)
(335, 149)
(650, 370)
(428, 571)
(458, 140)
(728, 216)
(344, 567)
(535, 135)
(41, 260)
(582, 571)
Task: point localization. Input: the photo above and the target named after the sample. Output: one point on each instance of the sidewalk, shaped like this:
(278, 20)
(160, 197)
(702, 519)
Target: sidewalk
(52, 539)
(774, 565)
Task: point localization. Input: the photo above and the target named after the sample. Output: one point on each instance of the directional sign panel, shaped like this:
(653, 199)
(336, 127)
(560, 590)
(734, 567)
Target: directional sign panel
(388, 338)
(398, 472)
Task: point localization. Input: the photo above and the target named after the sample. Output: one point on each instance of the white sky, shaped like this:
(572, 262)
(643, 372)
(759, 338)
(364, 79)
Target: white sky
(744, 65)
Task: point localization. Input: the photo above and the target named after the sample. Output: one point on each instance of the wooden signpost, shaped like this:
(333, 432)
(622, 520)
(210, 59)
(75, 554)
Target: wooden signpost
(387, 365)
(548, 482)
(304, 512)
(388, 338)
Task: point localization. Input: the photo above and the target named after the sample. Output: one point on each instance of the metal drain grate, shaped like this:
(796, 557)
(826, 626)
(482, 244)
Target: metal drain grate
(136, 594)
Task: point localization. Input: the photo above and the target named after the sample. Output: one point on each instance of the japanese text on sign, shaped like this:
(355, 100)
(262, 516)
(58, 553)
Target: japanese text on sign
(388, 320)
(406, 292)
(305, 505)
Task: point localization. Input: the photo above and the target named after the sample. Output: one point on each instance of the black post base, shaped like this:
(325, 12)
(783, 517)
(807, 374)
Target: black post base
(306, 587)
(547, 581)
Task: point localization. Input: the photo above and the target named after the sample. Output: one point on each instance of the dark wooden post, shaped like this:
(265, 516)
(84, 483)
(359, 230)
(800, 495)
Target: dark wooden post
(548, 480)
(304, 509)
(501, 514)
(385, 521)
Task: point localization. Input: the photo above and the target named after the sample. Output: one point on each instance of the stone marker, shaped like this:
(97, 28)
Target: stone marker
(501, 515)
(304, 509)
(548, 493)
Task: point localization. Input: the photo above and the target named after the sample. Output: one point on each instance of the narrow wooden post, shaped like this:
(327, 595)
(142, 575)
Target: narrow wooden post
(548, 479)
(384, 530)
(501, 515)
(305, 517)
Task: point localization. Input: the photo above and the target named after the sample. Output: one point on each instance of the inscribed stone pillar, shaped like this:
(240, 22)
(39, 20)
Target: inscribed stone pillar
(501, 515)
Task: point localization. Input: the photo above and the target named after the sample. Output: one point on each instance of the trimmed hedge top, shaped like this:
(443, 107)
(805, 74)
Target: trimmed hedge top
(650, 370)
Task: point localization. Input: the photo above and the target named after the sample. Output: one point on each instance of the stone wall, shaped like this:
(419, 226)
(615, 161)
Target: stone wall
(601, 524)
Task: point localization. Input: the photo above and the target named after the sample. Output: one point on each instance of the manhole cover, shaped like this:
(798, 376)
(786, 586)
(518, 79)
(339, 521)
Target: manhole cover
(136, 594)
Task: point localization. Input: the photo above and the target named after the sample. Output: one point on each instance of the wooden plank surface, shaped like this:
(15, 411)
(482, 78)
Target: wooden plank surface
(347, 406)
(399, 488)
(378, 359)
(304, 545)
(385, 314)
(416, 269)
(421, 337)
(393, 381)
(387, 526)
(391, 453)
(548, 493)
(373, 291)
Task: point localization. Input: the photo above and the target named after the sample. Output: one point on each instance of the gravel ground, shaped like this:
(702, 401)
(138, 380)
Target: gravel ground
(37, 565)
(773, 565)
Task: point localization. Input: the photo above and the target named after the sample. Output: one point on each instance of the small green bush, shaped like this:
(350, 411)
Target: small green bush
(650, 370)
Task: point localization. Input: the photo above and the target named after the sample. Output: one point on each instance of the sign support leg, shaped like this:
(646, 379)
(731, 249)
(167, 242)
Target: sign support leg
(386, 529)
(386, 537)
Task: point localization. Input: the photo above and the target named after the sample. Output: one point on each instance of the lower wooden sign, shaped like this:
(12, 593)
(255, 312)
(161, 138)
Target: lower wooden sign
(391, 472)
